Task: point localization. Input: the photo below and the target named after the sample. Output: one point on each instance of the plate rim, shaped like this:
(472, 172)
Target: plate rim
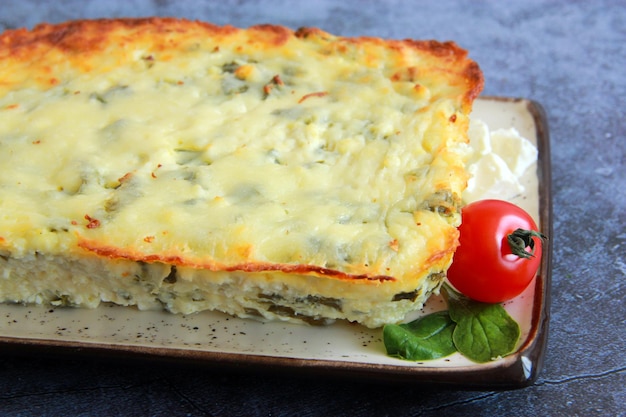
(517, 370)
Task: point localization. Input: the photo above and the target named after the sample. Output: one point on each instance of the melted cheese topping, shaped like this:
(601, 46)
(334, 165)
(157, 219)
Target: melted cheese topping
(229, 149)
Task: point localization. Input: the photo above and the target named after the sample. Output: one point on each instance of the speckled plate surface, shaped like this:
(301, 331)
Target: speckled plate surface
(342, 349)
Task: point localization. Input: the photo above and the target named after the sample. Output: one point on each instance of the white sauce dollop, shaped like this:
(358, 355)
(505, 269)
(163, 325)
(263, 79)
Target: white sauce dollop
(497, 161)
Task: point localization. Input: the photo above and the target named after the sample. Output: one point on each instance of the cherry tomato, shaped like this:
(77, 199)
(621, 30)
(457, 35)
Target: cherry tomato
(486, 267)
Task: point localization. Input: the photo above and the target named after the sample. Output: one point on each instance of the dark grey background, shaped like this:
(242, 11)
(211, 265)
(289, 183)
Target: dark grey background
(568, 55)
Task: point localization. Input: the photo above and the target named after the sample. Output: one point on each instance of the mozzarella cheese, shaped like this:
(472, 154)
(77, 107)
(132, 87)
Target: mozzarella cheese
(203, 167)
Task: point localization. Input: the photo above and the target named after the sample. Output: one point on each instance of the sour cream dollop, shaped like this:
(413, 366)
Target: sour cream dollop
(497, 160)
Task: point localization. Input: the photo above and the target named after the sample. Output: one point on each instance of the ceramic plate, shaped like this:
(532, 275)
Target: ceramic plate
(343, 349)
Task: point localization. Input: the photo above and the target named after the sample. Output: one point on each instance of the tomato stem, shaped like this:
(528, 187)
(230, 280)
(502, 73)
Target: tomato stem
(521, 239)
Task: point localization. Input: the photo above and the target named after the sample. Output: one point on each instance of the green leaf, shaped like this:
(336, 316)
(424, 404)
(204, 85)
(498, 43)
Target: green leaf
(429, 337)
(483, 331)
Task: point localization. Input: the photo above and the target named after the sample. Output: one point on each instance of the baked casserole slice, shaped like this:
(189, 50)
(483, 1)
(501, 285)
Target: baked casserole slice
(261, 172)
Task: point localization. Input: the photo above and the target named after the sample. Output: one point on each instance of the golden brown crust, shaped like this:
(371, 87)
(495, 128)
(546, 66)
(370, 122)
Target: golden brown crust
(79, 40)
(181, 260)
(456, 58)
(91, 35)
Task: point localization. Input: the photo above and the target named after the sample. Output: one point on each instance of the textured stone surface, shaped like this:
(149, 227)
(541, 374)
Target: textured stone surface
(570, 57)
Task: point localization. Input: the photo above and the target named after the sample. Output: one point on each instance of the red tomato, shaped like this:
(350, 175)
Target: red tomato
(485, 266)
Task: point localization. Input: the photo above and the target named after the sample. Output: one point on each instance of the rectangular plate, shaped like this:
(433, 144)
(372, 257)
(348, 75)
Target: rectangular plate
(342, 348)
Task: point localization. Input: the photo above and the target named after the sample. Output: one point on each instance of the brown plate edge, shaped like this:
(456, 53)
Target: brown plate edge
(518, 370)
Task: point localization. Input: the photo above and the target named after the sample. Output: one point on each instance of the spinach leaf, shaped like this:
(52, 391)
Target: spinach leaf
(483, 331)
(480, 331)
(429, 337)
